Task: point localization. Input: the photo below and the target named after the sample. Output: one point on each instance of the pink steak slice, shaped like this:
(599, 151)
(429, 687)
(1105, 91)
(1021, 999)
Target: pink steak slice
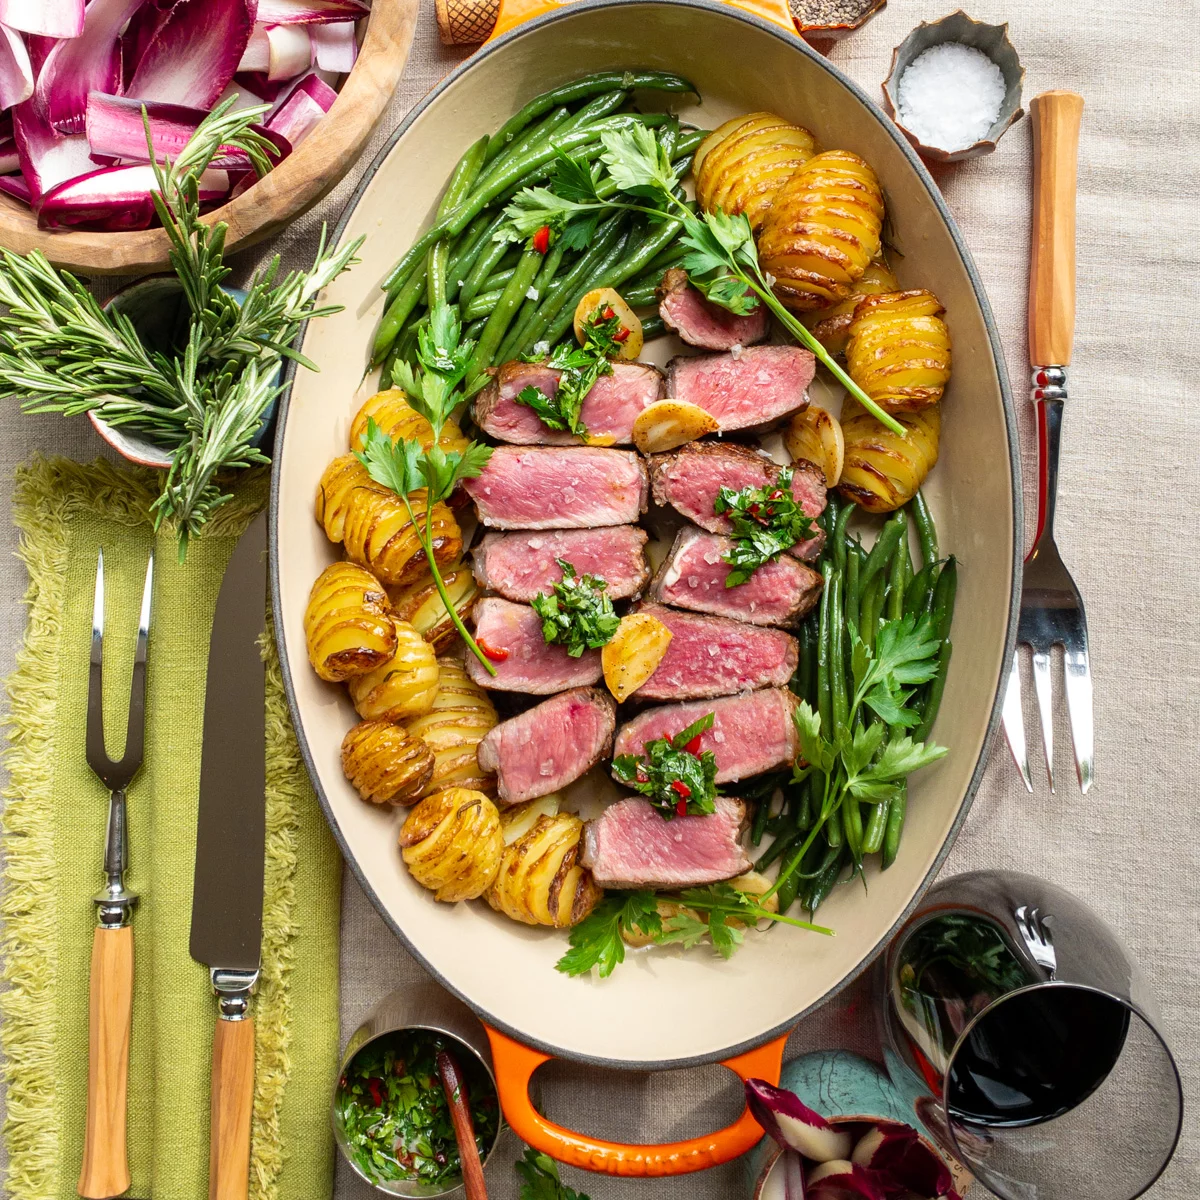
(748, 389)
(698, 322)
(511, 636)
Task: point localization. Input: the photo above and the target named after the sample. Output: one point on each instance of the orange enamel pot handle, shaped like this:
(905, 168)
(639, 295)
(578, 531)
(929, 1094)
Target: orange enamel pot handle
(515, 1064)
(517, 12)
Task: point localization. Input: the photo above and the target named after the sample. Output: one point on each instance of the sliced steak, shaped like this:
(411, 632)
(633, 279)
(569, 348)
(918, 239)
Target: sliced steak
(519, 565)
(573, 487)
(631, 845)
(693, 577)
(689, 480)
(608, 410)
(550, 745)
(698, 322)
(747, 389)
(511, 636)
(714, 656)
(751, 733)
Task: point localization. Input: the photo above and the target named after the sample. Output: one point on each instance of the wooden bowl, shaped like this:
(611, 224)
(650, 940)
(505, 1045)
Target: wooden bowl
(291, 188)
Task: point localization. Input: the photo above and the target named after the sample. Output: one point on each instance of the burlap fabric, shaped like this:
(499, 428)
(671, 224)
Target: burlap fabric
(1127, 522)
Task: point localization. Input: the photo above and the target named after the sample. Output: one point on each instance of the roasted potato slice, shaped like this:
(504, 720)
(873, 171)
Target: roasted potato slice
(421, 605)
(668, 424)
(754, 885)
(378, 533)
(348, 624)
(741, 166)
(341, 479)
(634, 653)
(402, 687)
(884, 470)
(596, 302)
(814, 435)
(541, 880)
(517, 821)
(899, 350)
(385, 764)
(822, 230)
(666, 910)
(452, 844)
(391, 411)
(831, 326)
(458, 721)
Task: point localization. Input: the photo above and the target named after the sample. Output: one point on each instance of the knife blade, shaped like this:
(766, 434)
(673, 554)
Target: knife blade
(227, 889)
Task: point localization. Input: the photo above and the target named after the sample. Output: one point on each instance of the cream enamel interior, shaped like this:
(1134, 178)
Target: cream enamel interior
(662, 1006)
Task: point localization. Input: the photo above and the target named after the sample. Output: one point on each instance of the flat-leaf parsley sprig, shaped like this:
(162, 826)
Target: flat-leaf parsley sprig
(540, 1179)
(406, 467)
(723, 259)
(767, 522)
(578, 613)
(674, 774)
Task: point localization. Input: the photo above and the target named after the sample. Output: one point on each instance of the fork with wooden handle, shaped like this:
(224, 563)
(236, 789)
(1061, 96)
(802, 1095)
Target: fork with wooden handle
(1051, 608)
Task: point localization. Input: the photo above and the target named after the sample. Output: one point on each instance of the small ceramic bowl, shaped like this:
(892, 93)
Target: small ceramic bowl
(993, 41)
(814, 26)
(157, 309)
(431, 1009)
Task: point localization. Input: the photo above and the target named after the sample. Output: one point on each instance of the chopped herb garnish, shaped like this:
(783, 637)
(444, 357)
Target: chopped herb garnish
(767, 522)
(674, 774)
(392, 1110)
(577, 614)
(540, 1180)
(581, 366)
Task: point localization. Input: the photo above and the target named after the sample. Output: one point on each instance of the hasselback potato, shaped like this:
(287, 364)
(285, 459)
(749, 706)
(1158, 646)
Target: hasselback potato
(460, 718)
(420, 604)
(341, 479)
(822, 230)
(348, 624)
(452, 844)
(401, 687)
(378, 534)
(899, 350)
(391, 412)
(541, 880)
(741, 166)
(883, 470)
(831, 326)
(386, 764)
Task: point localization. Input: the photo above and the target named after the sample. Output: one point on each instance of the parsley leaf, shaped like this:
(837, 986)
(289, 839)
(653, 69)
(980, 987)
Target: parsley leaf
(906, 652)
(573, 179)
(637, 161)
(674, 775)
(766, 522)
(577, 614)
(540, 1179)
(596, 941)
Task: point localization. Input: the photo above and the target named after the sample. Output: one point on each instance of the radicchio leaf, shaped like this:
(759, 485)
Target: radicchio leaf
(902, 1163)
(793, 1124)
(49, 18)
(115, 198)
(194, 53)
(16, 73)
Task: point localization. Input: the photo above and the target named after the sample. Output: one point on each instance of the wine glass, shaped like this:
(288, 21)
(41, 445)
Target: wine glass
(1018, 1027)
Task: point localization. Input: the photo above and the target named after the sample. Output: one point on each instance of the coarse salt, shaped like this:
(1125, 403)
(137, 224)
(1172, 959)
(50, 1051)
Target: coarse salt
(950, 95)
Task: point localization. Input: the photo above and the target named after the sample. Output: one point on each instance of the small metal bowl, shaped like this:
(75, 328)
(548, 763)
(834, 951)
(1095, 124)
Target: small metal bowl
(430, 1009)
(993, 41)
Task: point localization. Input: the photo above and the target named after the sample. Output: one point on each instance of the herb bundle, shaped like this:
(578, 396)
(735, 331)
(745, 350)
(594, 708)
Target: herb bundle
(722, 259)
(578, 613)
(414, 472)
(203, 400)
(674, 774)
(766, 522)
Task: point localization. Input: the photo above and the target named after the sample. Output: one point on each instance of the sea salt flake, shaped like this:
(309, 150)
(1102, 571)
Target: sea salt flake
(546, 767)
(950, 96)
(718, 736)
(568, 495)
(531, 294)
(693, 581)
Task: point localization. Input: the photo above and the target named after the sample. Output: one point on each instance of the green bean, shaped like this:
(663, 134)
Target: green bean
(505, 310)
(438, 256)
(838, 537)
(926, 529)
(688, 143)
(581, 89)
(487, 262)
(919, 594)
(552, 329)
(835, 834)
(852, 826)
(884, 548)
(475, 328)
(640, 297)
(802, 805)
(437, 261)
(895, 824)
(896, 582)
(545, 277)
(593, 110)
(870, 610)
(556, 122)
(853, 593)
(465, 252)
(786, 896)
(777, 849)
(823, 885)
(824, 690)
(944, 592)
(907, 571)
(397, 313)
(483, 304)
(806, 663)
(839, 701)
(653, 327)
(876, 824)
(934, 693)
(761, 813)
(497, 279)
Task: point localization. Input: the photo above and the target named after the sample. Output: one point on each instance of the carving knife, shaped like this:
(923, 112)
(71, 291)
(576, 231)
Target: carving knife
(227, 892)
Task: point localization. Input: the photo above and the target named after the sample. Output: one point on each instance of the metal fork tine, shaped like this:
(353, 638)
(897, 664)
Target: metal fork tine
(1078, 674)
(1041, 687)
(95, 700)
(1014, 722)
(136, 729)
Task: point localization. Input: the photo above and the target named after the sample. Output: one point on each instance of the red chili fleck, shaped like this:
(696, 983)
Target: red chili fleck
(622, 335)
(681, 808)
(693, 747)
(375, 1087)
(681, 789)
(607, 313)
(641, 776)
(495, 653)
(775, 495)
(541, 239)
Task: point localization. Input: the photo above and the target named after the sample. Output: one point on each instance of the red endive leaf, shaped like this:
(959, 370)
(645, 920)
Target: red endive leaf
(47, 156)
(50, 18)
(16, 73)
(194, 53)
(335, 46)
(114, 198)
(15, 185)
(310, 12)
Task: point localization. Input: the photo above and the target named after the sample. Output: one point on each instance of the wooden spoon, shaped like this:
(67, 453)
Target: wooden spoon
(455, 1087)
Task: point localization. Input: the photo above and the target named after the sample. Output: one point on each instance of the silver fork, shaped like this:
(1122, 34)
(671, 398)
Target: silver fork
(1051, 608)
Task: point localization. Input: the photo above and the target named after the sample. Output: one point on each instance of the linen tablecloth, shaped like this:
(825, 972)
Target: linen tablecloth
(1127, 522)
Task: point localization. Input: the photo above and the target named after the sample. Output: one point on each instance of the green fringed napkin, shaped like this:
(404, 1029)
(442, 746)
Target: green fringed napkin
(53, 829)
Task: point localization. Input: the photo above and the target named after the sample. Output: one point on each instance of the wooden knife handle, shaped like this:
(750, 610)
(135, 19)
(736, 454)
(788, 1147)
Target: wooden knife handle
(232, 1104)
(105, 1169)
(1056, 117)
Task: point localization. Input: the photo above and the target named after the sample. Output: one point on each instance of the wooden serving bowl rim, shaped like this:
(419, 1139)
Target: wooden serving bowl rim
(291, 188)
